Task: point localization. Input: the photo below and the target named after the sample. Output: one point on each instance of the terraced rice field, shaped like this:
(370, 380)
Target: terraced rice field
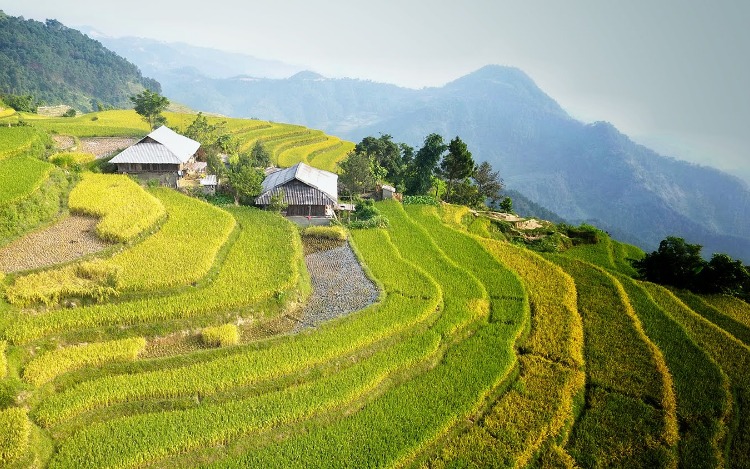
(475, 353)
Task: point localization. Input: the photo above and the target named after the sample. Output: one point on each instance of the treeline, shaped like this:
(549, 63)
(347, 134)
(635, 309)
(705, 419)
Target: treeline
(54, 64)
(680, 264)
(446, 171)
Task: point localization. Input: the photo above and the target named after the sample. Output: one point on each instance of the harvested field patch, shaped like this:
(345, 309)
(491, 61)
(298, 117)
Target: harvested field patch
(71, 238)
(105, 146)
(63, 142)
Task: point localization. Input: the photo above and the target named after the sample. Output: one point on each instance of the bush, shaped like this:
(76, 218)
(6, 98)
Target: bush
(365, 209)
(378, 221)
(421, 200)
(221, 336)
(583, 234)
(70, 113)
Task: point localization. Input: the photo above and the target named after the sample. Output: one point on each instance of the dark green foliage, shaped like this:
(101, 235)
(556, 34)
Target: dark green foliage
(386, 154)
(489, 184)
(420, 200)
(214, 139)
(357, 174)
(506, 205)
(25, 103)
(277, 202)
(366, 215)
(69, 113)
(214, 165)
(583, 234)
(259, 155)
(679, 264)
(150, 105)
(725, 275)
(35, 55)
(365, 209)
(456, 166)
(245, 180)
(425, 165)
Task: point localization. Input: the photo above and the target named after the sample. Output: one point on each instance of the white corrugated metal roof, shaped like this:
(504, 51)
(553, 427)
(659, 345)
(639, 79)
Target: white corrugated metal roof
(209, 180)
(147, 153)
(322, 180)
(168, 143)
(178, 144)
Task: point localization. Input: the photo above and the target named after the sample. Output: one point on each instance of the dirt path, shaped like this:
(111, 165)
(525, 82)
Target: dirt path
(70, 238)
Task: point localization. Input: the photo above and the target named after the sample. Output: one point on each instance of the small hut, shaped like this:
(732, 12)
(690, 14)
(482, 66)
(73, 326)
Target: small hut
(308, 191)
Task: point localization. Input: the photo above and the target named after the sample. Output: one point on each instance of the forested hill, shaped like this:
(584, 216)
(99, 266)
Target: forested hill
(59, 65)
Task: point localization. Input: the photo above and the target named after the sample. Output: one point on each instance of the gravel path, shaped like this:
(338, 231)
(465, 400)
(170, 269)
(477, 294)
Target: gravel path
(70, 238)
(340, 286)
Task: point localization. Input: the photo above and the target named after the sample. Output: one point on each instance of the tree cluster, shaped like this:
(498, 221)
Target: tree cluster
(59, 65)
(446, 170)
(680, 264)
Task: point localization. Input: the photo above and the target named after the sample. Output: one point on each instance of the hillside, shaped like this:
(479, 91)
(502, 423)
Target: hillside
(59, 65)
(582, 172)
(177, 344)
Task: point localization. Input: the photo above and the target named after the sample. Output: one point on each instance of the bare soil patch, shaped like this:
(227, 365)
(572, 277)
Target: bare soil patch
(69, 239)
(106, 146)
(63, 142)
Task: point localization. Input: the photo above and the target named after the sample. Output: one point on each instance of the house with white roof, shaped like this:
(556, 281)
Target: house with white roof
(308, 191)
(163, 151)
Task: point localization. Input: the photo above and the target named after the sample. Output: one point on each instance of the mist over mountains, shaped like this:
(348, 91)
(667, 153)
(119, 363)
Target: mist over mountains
(583, 172)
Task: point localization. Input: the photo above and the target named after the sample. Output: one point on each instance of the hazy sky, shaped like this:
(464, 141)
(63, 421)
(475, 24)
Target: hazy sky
(672, 74)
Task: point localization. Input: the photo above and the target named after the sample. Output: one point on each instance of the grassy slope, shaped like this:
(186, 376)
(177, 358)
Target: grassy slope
(474, 357)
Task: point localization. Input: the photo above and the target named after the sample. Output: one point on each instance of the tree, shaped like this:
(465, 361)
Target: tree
(277, 202)
(488, 183)
(214, 165)
(675, 263)
(725, 275)
(214, 138)
(150, 105)
(245, 179)
(506, 205)
(259, 155)
(24, 103)
(387, 154)
(424, 165)
(357, 173)
(456, 166)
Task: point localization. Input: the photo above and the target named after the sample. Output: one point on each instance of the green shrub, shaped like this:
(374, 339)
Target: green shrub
(379, 221)
(221, 336)
(421, 200)
(365, 210)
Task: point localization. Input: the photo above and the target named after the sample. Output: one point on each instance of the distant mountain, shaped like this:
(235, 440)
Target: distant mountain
(60, 65)
(583, 172)
(157, 58)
